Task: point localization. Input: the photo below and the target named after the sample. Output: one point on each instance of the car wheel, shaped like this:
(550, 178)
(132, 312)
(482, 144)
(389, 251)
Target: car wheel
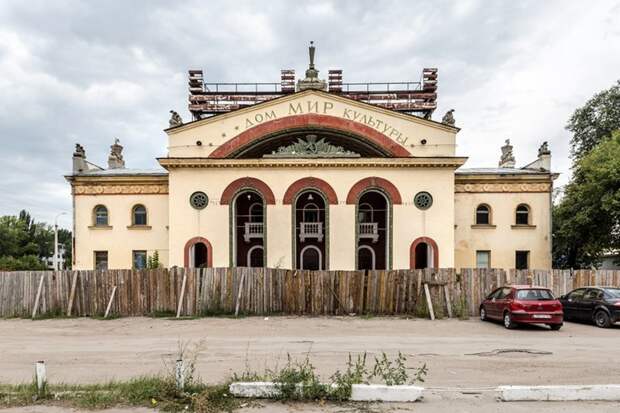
(601, 319)
(483, 314)
(555, 327)
(508, 323)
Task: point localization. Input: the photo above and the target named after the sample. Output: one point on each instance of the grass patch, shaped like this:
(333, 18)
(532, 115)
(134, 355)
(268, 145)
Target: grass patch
(148, 391)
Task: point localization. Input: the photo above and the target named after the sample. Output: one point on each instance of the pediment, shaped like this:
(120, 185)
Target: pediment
(350, 126)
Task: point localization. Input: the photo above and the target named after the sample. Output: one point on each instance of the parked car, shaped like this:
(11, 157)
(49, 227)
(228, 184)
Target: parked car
(523, 304)
(600, 305)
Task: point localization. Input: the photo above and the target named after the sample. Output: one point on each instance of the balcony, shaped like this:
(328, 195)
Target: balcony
(308, 230)
(369, 230)
(253, 230)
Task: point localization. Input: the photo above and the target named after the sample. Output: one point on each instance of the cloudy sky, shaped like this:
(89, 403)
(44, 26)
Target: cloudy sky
(92, 71)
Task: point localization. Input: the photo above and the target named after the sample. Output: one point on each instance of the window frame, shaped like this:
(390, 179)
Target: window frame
(527, 213)
(527, 255)
(107, 216)
(107, 260)
(133, 216)
(488, 252)
(133, 259)
(489, 215)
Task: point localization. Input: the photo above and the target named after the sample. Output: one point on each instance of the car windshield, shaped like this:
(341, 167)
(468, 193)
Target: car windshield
(613, 292)
(534, 295)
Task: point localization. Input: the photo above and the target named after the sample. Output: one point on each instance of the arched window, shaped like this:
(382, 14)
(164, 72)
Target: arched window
(256, 212)
(522, 215)
(311, 258)
(255, 256)
(366, 258)
(138, 215)
(365, 212)
(311, 212)
(483, 215)
(101, 216)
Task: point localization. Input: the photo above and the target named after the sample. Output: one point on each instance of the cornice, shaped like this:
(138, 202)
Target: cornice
(118, 185)
(412, 162)
(503, 187)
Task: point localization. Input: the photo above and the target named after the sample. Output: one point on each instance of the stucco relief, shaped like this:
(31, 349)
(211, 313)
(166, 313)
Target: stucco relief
(503, 187)
(119, 189)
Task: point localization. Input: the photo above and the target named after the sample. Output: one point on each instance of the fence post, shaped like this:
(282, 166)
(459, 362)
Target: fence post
(429, 302)
(180, 305)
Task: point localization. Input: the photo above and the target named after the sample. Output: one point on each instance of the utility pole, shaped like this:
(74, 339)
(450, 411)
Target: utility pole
(56, 240)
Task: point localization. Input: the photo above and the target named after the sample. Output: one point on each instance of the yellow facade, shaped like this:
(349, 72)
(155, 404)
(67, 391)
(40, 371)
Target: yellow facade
(413, 156)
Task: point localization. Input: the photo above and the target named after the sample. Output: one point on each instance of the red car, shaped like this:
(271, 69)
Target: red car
(523, 304)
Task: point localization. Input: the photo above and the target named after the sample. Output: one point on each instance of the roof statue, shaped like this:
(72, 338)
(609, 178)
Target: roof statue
(175, 119)
(507, 160)
(544, 149)
(311, 81)
(448, 118)
(312, 147)
(115, 160)
(79, 151)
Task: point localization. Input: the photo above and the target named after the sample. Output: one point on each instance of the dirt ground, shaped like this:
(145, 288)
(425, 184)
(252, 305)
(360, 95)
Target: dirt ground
(471, 355)
(458, 353)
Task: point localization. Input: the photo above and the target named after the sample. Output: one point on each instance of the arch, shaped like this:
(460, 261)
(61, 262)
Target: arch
(101, 211)
(139, 215)
(188, 247)
(372, 255)
(522, 214)
(251, 250)
(253, 215)
(483, 212)
(230, 147)
(310, 247)
(428, 241)
(374, 182)
(247, 183)
(310, 183)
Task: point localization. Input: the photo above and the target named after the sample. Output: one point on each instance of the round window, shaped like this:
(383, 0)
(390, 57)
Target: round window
(423, 200)
(199, 200)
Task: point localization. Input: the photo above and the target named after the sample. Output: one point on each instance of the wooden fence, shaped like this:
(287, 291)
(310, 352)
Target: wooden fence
(262, 291)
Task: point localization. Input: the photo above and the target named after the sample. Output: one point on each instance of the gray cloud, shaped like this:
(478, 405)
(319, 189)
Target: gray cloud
(88, 72)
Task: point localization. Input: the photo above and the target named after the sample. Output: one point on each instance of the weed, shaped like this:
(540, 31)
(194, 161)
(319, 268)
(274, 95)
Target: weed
(394, 372)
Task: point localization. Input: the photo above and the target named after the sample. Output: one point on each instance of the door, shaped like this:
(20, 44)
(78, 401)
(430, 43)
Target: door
(501, 301)
(490, 303)
(588, 303)
(571, 304)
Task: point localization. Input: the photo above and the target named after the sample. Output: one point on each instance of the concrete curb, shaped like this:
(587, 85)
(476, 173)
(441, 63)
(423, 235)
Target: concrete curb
(598, 392)
(383, 393)
(360, 392)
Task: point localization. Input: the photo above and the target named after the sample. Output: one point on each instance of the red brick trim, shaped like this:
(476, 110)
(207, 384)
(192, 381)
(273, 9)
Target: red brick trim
(309, 120)
(188, 246)
(247, 183)
(309, 183)
(374, 182)
(430, 242)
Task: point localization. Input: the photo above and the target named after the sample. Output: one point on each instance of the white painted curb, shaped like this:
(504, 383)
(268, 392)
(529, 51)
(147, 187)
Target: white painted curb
(257, 390)
(360, 392)
(383, 393)
(605, 392)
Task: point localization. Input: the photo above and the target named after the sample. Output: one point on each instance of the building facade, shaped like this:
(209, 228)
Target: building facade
(312, 176)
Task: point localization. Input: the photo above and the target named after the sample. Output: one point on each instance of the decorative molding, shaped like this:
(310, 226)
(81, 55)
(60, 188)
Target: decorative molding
(127, 189)
(311, 147)
(374, 182)
(310, 183)
(247, 182)
(500, 187)
(408, 162)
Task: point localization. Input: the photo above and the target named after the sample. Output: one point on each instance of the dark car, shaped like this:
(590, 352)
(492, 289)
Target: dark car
(600, 305)
(522, 304)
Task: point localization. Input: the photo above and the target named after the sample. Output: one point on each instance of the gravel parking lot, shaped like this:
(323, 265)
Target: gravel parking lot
(466, 354)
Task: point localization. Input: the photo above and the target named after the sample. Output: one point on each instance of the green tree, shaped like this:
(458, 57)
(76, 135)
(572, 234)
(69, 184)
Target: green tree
(595, 121)
(24, 242)
(587, 219)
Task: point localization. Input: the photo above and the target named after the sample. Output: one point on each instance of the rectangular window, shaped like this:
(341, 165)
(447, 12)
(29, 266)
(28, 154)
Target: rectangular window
(139, 260)
(483, 259)
(101, 260)
(522, 260)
